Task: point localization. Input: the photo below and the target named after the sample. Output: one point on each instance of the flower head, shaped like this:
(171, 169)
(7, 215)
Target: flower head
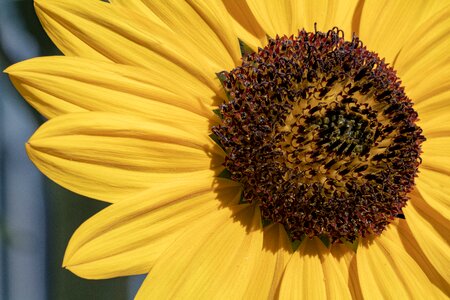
(251, 149)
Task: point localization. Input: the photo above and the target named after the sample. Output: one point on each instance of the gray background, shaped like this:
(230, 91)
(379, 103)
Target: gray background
(37, 217)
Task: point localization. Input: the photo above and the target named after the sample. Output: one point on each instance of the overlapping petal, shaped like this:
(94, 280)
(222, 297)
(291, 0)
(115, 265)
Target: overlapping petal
(434, 189)
(386, 25)
(400, 232)
(387, 271)
(274, 17)
(245, 24)
(431, 231)
(202, 24)
(326, 14)
(287, 17)
(269, 263)
(315, 272)
(143, 227)
(59, 85)
(434, 113)
(108, 156)
(425, 52)
(96, 29)
(140, 7)
(436, 156)
(225, 255)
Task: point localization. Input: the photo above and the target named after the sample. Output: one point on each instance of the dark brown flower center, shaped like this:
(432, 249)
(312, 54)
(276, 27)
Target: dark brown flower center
(321, 135)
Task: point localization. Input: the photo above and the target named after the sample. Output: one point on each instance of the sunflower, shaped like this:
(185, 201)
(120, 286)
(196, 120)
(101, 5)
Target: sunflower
(251, 149)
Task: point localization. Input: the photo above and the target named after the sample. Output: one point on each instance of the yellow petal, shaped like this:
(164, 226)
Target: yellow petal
(387, 271)
(245, 24)
(400, 231)
(207, 22)
(386, 25)
(141, 7)
(269, 264)
(431, 231)
(337, 261)
(434, 188)
(436, 155)
(101, 31)
(434, 113)
(426, 52)
(287, 17)
(59, 85)
(316, 273)
(201, 27)
(214, 13)
(275, 17)
(127, 237)
(108, 156)
(198, 264)
(353, 279)
(326, 13)
(228, 256)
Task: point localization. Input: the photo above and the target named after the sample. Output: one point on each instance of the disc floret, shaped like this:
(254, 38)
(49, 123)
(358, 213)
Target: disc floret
(321, 135)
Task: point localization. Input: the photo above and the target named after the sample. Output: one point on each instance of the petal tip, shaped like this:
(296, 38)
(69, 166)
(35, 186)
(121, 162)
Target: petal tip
(37, 4)
(29, 146)
(8, 70)
(12, 70)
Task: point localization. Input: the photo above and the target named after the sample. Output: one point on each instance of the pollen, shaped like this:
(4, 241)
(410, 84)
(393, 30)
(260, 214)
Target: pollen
(321, 135)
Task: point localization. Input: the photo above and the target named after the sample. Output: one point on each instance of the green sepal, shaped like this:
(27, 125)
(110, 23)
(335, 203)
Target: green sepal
(351, 245)
(265, 222)
(242, 199)
(225, 174)
(295, 244)
(221, 76)
(217, 141)
(325, 240)
(218, 113)
(245, 49)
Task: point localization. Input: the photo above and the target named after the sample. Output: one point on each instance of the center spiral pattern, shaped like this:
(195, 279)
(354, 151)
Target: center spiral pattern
(321, 135)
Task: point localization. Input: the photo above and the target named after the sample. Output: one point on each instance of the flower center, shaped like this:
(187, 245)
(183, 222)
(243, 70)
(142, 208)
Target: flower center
(321, 136)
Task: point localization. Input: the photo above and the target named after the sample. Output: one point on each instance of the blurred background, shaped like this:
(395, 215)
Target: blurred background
(37, 217)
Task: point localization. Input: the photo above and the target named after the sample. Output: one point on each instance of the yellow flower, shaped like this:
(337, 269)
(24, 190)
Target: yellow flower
(131, 112)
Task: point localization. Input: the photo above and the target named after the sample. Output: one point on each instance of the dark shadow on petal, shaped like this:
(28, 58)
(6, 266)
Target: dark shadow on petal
(353, 279)
(240, 11)
(356, 20)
